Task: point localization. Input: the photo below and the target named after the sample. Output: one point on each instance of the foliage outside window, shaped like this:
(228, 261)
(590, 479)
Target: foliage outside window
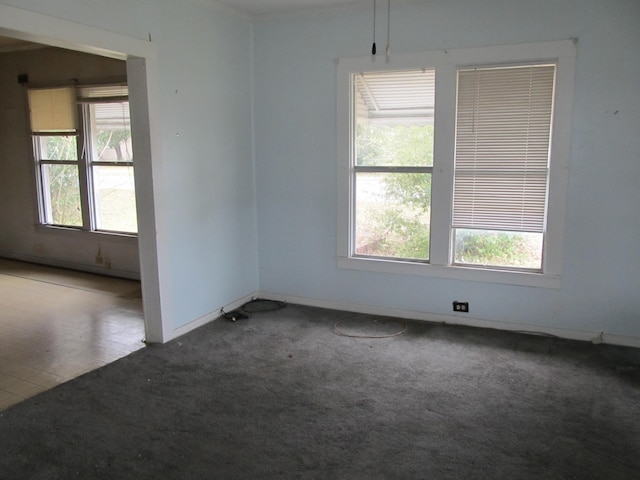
(84, 158)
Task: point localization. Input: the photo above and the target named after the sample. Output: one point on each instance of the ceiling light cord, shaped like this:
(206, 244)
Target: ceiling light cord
(388, 52)
(373, 46)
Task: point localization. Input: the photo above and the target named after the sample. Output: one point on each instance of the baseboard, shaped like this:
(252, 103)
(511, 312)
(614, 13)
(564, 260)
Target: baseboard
(209, 317)
(594, 337)
(585, 336)
(79, 267)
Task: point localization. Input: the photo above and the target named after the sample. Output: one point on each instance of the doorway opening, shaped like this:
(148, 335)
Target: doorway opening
(22, 26)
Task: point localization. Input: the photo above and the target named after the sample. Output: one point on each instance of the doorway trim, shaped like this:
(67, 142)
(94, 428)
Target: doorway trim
(142, 79)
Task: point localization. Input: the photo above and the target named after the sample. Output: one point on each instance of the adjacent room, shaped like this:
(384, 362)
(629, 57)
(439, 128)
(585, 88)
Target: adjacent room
(70, 202)
(464, 168)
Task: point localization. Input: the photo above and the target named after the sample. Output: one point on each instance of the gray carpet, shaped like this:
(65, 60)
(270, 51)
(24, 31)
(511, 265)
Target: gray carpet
(282, 396)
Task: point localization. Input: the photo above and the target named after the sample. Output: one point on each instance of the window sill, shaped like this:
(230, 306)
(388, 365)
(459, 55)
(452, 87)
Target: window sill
(76, 232)
(527, 279)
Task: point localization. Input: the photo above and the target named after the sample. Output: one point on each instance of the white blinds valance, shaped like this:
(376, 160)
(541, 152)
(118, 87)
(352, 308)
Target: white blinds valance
(503, 125)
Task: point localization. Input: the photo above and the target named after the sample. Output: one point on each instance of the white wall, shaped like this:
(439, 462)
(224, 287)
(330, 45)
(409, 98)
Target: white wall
(201, 121)
(200, 114)
(204, 56)
(295, 144)
(20, 237)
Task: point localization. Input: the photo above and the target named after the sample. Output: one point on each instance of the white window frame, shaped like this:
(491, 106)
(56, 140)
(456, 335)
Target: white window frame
(446, 64)
(85, 163)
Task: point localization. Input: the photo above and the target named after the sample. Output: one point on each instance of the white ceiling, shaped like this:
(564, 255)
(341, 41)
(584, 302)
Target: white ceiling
(262, 7)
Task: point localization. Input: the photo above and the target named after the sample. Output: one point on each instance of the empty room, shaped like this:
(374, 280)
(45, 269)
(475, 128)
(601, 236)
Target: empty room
(436, 201)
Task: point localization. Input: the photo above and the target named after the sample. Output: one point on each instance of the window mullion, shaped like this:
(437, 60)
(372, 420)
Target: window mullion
(44, 201)
(559, 165)
(384, 169)
(443, 154)
(84, 169)
(58, 162)
(111, 164)
(37, 166)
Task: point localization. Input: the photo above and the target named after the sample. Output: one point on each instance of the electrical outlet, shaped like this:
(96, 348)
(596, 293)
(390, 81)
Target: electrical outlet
(461, 307)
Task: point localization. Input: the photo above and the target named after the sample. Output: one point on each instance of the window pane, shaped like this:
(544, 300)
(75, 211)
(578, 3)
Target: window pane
(397, 146)
(112, 136)
(57, 147)
(393, 214)
(61, 195)
(498, 249)
(115, 199)
(394, 113)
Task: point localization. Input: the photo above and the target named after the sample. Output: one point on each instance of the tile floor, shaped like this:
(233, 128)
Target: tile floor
(56, 325)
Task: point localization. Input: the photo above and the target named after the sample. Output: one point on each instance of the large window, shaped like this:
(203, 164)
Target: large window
(454, 163)
(84, 159)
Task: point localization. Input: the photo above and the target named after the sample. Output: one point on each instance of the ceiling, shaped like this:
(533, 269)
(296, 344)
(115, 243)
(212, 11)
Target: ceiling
(263, 7)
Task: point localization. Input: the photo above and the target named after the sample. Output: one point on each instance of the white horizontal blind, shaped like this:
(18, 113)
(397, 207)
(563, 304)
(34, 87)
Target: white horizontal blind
(110, 106)
(405, 97)
(503, 125)
(104, 92)
(112, 116)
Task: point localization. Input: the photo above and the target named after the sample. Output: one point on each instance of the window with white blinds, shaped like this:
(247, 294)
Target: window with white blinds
(84, 157)
(454, 163)
(502, 144)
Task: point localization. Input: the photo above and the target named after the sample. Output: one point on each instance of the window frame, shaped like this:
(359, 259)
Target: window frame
(446, 64)
(44, 203)
(92, 163)
(386, 111)
(85, 164)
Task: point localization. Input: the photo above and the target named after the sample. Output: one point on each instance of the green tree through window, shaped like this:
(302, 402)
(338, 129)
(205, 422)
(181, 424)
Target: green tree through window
(393, 214)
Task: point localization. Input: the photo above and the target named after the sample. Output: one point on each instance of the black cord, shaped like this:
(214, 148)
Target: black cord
(257, 305)
(234, 315)
(373, 47)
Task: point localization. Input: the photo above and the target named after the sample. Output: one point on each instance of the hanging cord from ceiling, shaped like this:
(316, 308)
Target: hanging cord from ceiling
(388, 51)
(373, 46)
